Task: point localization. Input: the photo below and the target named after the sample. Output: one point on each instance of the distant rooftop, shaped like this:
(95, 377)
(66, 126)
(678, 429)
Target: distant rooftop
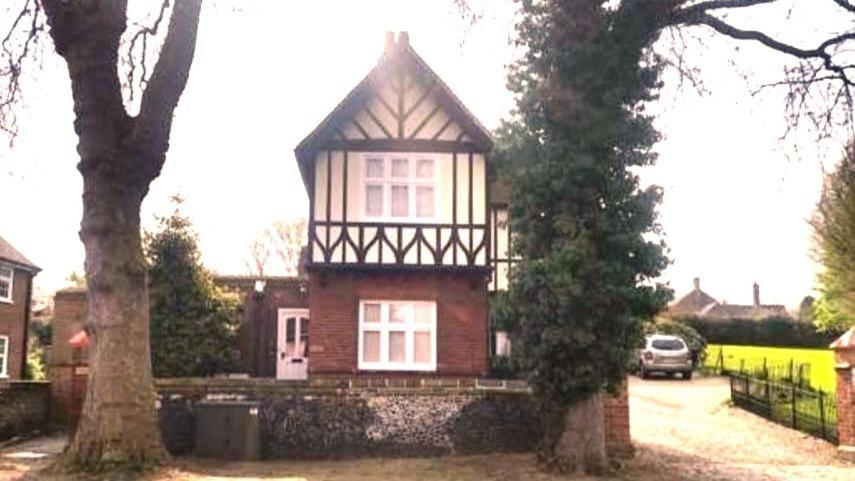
(11, 255)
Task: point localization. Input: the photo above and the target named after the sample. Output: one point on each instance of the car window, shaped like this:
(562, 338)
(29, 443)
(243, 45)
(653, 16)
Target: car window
(668, 344)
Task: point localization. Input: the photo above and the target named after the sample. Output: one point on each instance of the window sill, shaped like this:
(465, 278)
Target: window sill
(398, 368)
(7, 301)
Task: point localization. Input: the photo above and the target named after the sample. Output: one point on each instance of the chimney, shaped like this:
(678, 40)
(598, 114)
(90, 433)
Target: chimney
(756, 295)
(697, 282)
(403, 39)
(390, 42)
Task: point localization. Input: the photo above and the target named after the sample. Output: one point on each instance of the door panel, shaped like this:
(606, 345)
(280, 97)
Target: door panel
(292, 361)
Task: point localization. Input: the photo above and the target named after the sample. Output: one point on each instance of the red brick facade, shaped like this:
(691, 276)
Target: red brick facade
(844, 357)
(67, 368)
(461, 301)
(14, 323)
(616, 413)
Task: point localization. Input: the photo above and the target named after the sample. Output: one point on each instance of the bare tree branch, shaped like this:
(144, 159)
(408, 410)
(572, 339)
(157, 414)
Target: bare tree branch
(845, 4)
(167, 82)
(15, 47)
(142, 36)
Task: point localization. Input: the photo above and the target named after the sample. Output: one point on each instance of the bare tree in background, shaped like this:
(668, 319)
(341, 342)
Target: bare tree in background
(120, 155)
(259, 255)
(282, 239)
(818, 83)
(289, 238)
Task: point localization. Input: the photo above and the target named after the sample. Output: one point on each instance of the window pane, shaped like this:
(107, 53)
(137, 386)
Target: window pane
(290, 329)
(400, 168)
(424, 169)
(371, 346)
(400, 201)
(397, 313)
(371, 313)
(424, 201)
(422, 348)
(374, 200)
(424, 314)
(4, 289)
(397, 347)
(374, 168)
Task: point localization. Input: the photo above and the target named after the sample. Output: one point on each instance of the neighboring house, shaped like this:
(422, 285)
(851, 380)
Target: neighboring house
(16, 288)
(700, 304)
(401, 231)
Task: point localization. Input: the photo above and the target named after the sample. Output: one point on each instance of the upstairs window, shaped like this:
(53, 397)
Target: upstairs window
(397, 335)
(399, 188)
(7, 278)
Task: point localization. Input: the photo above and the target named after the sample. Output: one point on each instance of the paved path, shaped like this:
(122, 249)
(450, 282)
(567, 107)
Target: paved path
(687, 431)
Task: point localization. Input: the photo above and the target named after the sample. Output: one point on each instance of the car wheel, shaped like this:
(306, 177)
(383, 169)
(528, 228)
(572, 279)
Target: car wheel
(687, 375)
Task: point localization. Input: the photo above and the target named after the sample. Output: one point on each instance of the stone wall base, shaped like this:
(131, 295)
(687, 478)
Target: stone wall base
(846, 453)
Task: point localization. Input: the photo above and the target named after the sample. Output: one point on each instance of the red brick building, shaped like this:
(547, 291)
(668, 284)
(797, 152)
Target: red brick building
(402, 231)
(16, 289)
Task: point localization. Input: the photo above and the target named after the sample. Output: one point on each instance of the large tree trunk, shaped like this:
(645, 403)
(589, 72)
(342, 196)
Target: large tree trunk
(119, 422)
(120, 156)
(581, 447)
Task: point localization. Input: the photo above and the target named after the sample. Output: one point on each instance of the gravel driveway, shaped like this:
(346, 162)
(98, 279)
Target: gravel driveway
(686, 431)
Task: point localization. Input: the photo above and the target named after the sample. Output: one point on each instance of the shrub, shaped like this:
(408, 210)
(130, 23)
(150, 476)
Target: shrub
(772, 331)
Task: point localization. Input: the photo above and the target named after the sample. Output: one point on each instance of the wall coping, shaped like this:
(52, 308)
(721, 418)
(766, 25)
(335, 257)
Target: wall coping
(341, 386)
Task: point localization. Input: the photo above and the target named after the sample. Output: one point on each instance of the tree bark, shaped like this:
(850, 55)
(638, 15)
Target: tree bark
(119, 157)
(581, 448)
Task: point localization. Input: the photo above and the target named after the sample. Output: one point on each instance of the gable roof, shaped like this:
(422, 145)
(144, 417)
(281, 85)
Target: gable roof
(12, 256)
(396, 55)
(694, 302)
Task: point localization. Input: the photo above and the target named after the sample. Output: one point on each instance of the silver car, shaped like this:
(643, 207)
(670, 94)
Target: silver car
(665, 354)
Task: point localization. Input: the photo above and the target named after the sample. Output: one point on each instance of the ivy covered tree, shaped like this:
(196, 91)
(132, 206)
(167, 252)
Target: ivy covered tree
(834, 232)
(193, 322)
(586, 281)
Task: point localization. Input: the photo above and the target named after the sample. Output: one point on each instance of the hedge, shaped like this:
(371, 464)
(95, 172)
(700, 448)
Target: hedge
(772, 331)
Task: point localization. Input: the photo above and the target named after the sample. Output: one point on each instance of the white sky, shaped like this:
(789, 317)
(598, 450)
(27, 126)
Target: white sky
(735, 207)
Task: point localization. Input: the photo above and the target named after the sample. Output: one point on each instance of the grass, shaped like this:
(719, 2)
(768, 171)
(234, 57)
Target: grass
(822, 375)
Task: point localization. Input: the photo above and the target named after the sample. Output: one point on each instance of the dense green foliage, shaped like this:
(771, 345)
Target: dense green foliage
(585, 283)
(193, 322)
(834, 228)
(772, 331)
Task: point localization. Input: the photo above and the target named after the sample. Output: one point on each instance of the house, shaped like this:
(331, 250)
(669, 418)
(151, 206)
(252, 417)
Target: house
(698, 303)
(406, 240)
(401, 232)
(16, 290)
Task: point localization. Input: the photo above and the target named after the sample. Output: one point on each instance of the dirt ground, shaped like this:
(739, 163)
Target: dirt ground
(682, 431)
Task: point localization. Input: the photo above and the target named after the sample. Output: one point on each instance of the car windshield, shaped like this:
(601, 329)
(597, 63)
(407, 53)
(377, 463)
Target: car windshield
(667, 344)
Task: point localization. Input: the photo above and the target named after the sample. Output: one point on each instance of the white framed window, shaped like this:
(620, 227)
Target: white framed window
(7, 281)
(399, 187)
(397, 335)
(4, 356)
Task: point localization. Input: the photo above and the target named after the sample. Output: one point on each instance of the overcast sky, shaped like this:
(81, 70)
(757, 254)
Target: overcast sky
(737, 198)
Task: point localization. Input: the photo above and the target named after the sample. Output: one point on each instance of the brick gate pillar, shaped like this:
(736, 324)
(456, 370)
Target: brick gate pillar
(844, 364)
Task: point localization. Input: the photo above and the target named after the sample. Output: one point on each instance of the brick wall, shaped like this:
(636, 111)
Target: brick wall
(845, 360)
(67, 373)
(258, 329)
(13, 323)
(616, 412)
(461, 301)
(24, 407)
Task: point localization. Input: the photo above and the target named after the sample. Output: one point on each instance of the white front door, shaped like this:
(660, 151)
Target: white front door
(292, 359)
